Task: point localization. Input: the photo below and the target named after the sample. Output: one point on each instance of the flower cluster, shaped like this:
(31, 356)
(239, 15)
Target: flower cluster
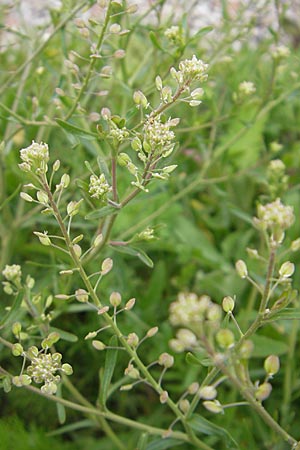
(246, 88)
(99, 187)
(119, 134)
(189, 309)
(35, 158)
(12, 273)
(274, 217)
(193, 313)
(190, 70)
(44, 368)
(158, 136)
(174, 35)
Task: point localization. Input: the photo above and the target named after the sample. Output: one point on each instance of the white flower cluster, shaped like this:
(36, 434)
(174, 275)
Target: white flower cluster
(99, 187)
(174, 34)
(247, 88)
(190, 70)
(44, 368)
(35, 158)
(158, 136)
(274, 216)
(12, 273)
(189, 309)
(120, 134)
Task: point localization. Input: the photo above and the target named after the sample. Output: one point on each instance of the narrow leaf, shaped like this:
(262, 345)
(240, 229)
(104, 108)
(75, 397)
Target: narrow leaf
(61, 410)
(204, 426)
(65, 335)
(74, 130)
(109, 367)
(102, 212)
(135, 252)
(12, 313)
(163, 443)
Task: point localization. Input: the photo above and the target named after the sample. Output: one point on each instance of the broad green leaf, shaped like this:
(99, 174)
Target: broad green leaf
(74, 130)
(102, 212)
(65, 335)
(162, 444)
(13, 312)
(109, 367)
(135, 252)
(265, 346)
(204, 426)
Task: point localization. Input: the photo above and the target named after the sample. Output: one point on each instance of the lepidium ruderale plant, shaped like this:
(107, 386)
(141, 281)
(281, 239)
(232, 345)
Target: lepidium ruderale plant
(217, 337)
(42, 368)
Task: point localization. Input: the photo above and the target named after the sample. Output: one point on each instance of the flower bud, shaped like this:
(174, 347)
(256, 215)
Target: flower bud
(17, 349)
(98, 240)
(287, 269)
(214, 312)
(65, 180)
(98, 345)
(246, 349)
(152, 332)
(130, 304)
(115, 28)
(91, 335)
(140, 99)
(16, 328)
(207, 392)
(42, 197)
(132, 372)
(78, 250)
(225, 338)
(241, 268)
(193, 388)
(67, 369)
(263, 391)
(272, 365)
(295, 245)
(213, 406)
(106, 266)
(228, 304)
(26, 197)
(77, 239)
(163, 398)
(43, 238)
(158, 83)
(115, 299)
(81, 295)
(133, 339)
(184, 405)
(166, 360)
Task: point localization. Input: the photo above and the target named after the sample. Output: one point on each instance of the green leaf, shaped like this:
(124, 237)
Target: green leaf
(87, 423)
(102, 212)
(196, 361)
(135, 252)
(74, 130)
(65, 335)
(142, 442)
(154, 41)
(109, 367)
(13, 312)
(204, 426)
(11, 196)
(202, 32)
(61, 410)
(162, 444)
(265, 346)
(286, 314)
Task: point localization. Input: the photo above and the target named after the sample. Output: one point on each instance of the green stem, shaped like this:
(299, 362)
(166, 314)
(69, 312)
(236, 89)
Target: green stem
(91, 64)
(109, 320)
(41, 47)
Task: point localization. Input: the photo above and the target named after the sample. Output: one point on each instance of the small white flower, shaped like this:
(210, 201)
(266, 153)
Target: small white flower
(99, 187)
